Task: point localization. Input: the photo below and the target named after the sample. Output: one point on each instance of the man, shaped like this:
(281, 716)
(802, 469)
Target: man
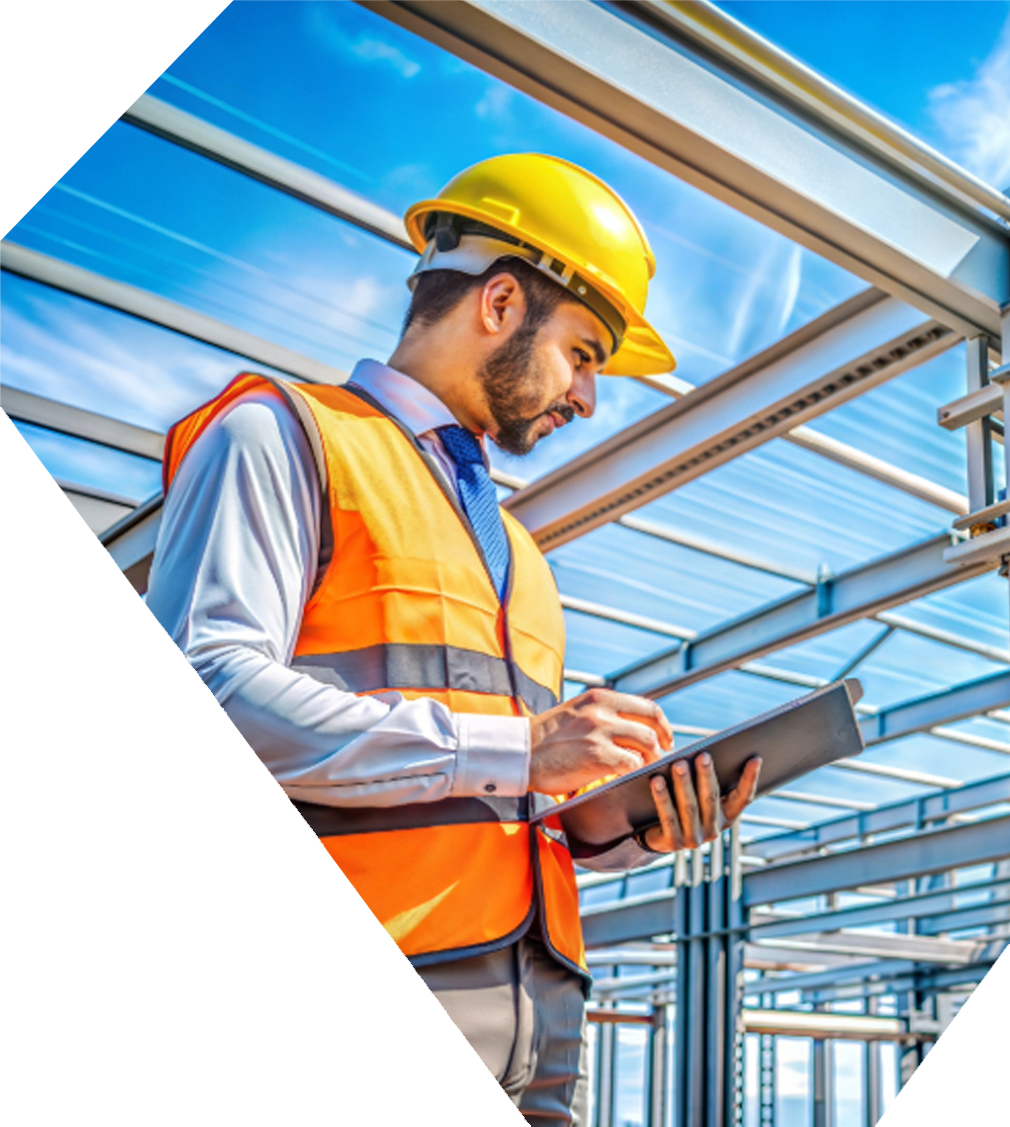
(334, 563)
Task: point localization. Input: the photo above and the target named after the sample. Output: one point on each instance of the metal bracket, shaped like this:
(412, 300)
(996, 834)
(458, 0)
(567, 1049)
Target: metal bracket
(991, 546)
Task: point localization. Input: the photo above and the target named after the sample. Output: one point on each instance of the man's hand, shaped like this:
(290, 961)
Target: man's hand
(596, 734)
(701, 812)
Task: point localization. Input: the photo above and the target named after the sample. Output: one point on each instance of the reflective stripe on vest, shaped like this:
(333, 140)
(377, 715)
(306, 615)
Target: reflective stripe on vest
(403, 601)
(399, 665)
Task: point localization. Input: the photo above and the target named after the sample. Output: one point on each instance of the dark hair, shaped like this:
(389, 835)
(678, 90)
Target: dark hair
(438, 292)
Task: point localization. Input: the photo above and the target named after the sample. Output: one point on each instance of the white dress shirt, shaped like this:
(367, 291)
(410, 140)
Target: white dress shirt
(233, 569)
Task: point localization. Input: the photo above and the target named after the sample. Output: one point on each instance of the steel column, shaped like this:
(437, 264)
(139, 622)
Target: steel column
(606, 1073)
(709, 1039)
(978, 435)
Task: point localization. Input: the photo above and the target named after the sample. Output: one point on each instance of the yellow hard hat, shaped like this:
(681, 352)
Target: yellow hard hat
(565, 222)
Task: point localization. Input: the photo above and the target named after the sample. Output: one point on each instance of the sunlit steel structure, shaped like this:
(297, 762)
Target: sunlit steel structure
(824, 920)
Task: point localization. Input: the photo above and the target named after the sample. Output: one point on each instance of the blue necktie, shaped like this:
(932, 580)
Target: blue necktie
(479, 499)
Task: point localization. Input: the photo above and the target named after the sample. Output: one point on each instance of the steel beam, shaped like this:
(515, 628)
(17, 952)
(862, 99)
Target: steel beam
(918, 855)
(983, 915)
(845, 352)
(898, 578)
(844, 455)
(172, 124)
(633, 73)
(935, 709)
(939, 905)
(885, 977)
(28, 408)
(131, 542)
(849, 456)
(885, 819)
(160, 311)
(920, 948)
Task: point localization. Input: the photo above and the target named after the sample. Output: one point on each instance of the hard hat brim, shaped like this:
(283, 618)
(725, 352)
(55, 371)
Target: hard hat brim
(643, 351)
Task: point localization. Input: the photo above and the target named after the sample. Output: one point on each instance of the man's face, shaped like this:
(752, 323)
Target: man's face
(538, 381)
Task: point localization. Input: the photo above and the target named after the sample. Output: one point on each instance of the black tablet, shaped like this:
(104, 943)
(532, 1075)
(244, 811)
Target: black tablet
(793, 739)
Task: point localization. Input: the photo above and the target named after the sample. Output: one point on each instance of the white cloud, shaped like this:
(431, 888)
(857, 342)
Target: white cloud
(973, 116)
(374, 50)
(494, 104)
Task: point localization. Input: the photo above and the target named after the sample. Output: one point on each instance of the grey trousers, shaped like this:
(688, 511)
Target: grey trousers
(524, 1013)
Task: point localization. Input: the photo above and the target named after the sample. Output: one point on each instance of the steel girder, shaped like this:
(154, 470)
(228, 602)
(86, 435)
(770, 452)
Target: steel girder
(53, 415)
(843, 353)
(160, 311)
(654, 913)
(631, 73)
(172, 124)
(904, 575)
(917, 855)
(955, 703)
(885, 819)
(939, 909)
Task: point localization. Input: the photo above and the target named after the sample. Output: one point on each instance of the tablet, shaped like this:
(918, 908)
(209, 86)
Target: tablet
(793, 739)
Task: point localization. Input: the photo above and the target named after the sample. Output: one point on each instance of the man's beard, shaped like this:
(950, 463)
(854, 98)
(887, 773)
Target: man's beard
(511, 380)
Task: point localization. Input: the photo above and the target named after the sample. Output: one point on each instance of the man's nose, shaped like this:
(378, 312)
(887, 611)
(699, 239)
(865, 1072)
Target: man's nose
(582, 395)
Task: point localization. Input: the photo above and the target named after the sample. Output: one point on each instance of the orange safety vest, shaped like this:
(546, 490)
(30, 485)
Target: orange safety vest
(404, 601)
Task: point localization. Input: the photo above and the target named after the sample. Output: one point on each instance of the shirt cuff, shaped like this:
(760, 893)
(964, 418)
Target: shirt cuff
(493, 755)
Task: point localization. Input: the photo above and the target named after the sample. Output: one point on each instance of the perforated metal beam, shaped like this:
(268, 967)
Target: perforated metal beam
(633, 73)
(845, 352)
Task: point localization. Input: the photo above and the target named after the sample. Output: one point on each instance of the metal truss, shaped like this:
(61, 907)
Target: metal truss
(843, 353)
(631, 72)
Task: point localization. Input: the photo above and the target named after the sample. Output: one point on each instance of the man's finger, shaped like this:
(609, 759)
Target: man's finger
(638, 737)
(687, 804)
(708, 796)
(667, 836)
(621, 760)
(742, 795)
(642, 710)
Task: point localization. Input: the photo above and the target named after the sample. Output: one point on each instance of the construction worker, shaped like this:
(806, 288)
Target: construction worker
(335, 565)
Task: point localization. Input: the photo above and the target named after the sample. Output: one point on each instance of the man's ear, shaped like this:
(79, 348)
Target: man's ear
(502, 304)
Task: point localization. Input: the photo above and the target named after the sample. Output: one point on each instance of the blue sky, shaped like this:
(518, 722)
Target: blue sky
(939, 67)
(341, 90)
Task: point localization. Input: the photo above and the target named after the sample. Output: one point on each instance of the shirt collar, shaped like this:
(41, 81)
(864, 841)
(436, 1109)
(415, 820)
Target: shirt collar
(419, 409)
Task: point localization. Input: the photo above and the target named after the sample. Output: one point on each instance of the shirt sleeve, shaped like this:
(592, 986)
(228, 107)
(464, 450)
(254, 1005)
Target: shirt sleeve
(232, 572)
(626, 854)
